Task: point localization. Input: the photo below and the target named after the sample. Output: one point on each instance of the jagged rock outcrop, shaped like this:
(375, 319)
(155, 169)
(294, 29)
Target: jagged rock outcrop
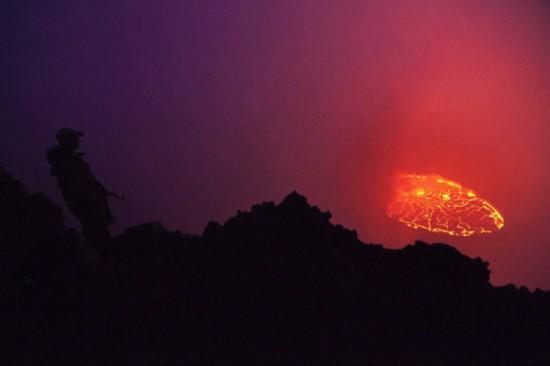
(35, 246)
(279, 284)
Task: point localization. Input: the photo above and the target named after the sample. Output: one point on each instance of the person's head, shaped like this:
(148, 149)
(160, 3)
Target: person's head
(69, 138)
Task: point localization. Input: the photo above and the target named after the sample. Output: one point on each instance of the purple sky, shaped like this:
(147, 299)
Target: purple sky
(195, 109)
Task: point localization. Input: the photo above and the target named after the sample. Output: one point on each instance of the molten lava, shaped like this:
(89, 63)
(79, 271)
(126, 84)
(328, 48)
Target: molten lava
(439, 205)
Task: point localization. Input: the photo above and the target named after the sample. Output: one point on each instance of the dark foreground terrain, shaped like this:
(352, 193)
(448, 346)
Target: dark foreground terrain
(278, 285)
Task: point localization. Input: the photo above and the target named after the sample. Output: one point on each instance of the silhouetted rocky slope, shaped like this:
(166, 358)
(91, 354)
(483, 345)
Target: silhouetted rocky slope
(277, 285)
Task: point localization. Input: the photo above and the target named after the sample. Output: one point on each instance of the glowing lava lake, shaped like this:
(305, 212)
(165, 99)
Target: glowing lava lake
(439, 205)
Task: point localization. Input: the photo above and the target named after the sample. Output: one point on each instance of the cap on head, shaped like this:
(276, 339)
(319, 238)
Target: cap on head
(68, 137)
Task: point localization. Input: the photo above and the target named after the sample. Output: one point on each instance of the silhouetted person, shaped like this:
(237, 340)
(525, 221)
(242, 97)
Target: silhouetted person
(85, 196)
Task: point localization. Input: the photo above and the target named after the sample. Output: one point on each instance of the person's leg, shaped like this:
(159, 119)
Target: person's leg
(96, 234)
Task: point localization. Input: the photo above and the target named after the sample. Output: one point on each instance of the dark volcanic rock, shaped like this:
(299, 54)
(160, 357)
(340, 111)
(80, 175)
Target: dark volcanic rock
(279, 284)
